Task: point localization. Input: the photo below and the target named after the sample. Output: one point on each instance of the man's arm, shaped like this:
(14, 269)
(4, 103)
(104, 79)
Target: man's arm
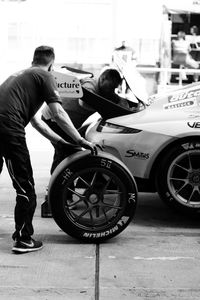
(45, 130)
(63, 120)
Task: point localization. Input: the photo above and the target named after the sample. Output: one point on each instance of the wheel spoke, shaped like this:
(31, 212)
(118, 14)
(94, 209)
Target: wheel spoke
(105, 215)
(190, 163)
(75, 192)
(112, 192)
(183, 168)
(91, 218)
(181, 188)
(83, 180)
(74, 202)
(71, 204)
(111, 206)
(179, 179)
(82, 214)
(190, 197)
(107, 184)
(93, 179)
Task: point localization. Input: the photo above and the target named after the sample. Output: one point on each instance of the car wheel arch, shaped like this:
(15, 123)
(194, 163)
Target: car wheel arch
(157, 161)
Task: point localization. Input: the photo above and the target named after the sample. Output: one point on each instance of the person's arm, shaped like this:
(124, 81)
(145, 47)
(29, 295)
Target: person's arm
(45, 130)
(63, 120)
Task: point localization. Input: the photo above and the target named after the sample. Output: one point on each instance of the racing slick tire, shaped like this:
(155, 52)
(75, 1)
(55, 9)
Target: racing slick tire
(178, 177)
(92, 198)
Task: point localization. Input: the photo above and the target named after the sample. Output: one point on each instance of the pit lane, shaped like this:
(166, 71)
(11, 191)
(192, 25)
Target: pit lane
(156, 257)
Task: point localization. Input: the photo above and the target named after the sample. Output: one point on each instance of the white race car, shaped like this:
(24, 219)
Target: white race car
(149, 147)
(160, 143)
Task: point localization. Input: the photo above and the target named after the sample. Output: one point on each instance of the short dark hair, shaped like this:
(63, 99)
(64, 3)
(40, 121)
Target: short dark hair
(111, 75)
(43, 55)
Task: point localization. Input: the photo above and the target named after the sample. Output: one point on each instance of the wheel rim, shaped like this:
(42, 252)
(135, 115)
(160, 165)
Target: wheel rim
(94, 199)
(183, 178)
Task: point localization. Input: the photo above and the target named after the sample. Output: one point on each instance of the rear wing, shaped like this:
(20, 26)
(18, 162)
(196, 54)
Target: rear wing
(69, 86)
(80, 74)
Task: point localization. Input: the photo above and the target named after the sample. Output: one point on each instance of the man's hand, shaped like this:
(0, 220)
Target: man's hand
(88, 145)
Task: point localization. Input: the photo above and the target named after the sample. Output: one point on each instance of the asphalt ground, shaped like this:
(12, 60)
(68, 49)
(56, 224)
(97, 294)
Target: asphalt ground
(156, 257)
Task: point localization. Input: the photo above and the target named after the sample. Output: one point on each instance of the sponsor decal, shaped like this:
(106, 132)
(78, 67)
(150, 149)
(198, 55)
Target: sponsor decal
(68, 87)
(194, 116)
(180, 104)
(151, 100)
(137, 154)
(123, 221)
(184, 95)
(120, 223)
(194, 124)
(67, 84)
(100, 234)
(189, 146)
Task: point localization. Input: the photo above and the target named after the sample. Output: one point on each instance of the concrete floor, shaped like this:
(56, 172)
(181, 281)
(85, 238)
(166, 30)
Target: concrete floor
(156, 257)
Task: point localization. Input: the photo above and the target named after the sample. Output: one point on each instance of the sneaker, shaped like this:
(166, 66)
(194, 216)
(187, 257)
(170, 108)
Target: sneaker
(26, 246)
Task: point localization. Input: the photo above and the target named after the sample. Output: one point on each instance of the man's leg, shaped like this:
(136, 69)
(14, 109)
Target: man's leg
(17, 159)
(61, 151)
(25, 199)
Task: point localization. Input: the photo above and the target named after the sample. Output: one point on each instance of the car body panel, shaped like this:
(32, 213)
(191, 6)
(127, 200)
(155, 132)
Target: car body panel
(170, 117)
(137, 152)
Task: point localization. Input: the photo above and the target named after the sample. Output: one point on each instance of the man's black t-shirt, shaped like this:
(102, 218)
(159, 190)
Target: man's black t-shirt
(21, 96)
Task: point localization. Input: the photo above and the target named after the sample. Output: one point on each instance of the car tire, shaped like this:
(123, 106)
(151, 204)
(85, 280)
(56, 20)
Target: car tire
(178, 177)
(92, 198)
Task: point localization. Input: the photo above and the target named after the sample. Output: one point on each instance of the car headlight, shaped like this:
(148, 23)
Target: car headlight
(108, 127)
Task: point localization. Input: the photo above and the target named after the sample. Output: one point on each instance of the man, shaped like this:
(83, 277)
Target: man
(181, 52)
(21, 96)
(78, 111)
(181, 55)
